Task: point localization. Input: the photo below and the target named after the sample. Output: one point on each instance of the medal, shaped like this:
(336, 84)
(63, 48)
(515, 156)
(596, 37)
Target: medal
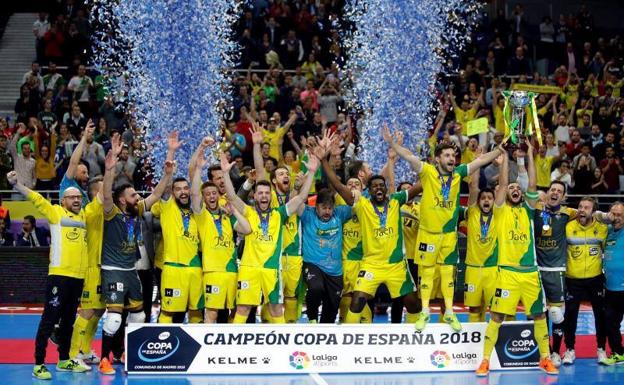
(485, 225)
(218, 223)
(186, 221)
(264, 221)
(445, 186)
(383, 216)
(545, 227)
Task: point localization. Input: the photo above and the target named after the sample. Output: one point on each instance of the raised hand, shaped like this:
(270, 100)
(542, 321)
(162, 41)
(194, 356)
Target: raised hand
(12, 178)
(225, 165)
(312, 164)
(256, 135)
(387, 136)
(170, 166)
(173, 141)
(111, 160)
(90, 129)
(116, 144)
(208, 141)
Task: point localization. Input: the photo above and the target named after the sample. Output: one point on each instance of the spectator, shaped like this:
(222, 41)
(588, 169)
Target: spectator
(35, 72)
(80, 85)
(75, 120)
(598, 185)
(6, 165)
(111, 114)
(299, 80)
(584, 165)
(45, 168)
(600, 151)
(311, 95)
(6, 238)
(31, 235)
(573, 148)
(47, 117)
(40, 28)
(563, 174)
(611, 169)
(94, 156)
(23, 162)
(124, 169)
(519, 65)
(328, 102)
(292, 50)
(53, 42)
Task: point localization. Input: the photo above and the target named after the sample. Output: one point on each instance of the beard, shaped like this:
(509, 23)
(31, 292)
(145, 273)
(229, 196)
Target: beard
(181, 205)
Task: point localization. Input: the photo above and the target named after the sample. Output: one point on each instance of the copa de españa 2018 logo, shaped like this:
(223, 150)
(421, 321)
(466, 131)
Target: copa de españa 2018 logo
(299, 360)
(440, 359)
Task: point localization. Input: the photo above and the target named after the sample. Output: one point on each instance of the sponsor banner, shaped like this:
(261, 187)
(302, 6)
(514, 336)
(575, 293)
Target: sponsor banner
(536, 88)
(299, 348)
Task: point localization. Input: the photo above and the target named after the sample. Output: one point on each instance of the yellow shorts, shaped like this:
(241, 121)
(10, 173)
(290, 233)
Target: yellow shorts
(256, 282)
(479, 285)
(350, 270)
(292, 265)
(436, 248)
(512, 287)
(181, 288)
(92, 290)
(220, 290)
(433, 281)
(395, 276)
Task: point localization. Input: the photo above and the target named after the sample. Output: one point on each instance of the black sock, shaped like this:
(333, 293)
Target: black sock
(557, 333)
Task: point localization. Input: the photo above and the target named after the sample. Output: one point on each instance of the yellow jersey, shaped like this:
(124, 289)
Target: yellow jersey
(216, 235)
(516, 243)
(585, 247)
(263, 246)
(543, 166)
(351, 236)
(291, 242)
(382, 242)
(411, 220)
(94, 215)
(499, 119)
(442, 212)
(180, 234)
(482, 238)
(462, 117)
(275, 139)
(68, 238)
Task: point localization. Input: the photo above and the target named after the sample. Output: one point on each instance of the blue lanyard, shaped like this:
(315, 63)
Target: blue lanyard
(264, 221)
(218, 223)
(283, 201)
(485, 226)
(186, 221)
(383, 216)
(546, 215)
(130, 225)
(445, 187)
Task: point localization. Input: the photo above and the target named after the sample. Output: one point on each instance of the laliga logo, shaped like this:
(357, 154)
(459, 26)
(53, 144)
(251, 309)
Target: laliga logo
(518, 349)
(155, 351)
(299, 360)
(440, 359)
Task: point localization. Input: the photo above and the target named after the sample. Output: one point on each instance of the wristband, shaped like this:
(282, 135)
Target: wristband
(531, 195)
(247, 185)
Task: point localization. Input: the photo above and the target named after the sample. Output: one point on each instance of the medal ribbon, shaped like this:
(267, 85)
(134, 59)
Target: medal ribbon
(445, 186)
(283, 199)
(485, 226)
(186, 221)
(264, 221)
(546, 214)
(130, 225)
(218, 223)
(383, 216)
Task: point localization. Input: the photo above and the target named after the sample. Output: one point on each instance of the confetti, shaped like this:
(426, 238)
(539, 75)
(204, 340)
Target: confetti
(397, 50)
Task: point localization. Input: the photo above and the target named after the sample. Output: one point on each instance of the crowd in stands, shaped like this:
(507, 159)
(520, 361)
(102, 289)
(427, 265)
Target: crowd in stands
(291, 83)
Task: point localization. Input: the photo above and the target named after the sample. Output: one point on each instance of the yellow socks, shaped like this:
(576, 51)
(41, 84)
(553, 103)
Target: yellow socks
(196, 316)
(411, 318)
(165, 317)
(239, 319)
(278, 320)
(426, 274)
(345, 303)
(491, 336)
(447, 285)
(87, 339)
(353, 318)
(80, 328)
(474, 317)
(540, 329)
(290, 310)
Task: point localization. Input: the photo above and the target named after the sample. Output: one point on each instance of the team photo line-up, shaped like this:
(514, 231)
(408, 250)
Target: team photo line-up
(283, 237)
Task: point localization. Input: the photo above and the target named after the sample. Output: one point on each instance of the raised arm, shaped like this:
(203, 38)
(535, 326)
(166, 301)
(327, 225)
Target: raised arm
(74, 161)
(242, 225)
(257, 138)
(12, 179)
(401, 151)
(413, 191)
(296, 204)
(196, 182)
(110, 172)
(205, 143)
(237, 203)
(473, 188)
(163, 184)
(503, 179)
(531, 194)
(173, 144)
(483, 160)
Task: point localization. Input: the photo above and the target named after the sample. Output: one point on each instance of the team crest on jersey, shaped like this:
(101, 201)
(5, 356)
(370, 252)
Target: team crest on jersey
(54, 290)
(85, 294)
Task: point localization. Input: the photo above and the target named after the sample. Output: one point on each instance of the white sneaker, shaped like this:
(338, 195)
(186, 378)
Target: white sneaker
(568, 357)
(556, 359)
(91, 358)
(81, 362)
(602, 356)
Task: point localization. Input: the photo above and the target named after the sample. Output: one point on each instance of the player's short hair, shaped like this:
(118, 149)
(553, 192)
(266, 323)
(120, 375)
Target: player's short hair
(593, 201)
(119, 191)
(376, 177)
(565, 187)
(441, 147)
(326, 196)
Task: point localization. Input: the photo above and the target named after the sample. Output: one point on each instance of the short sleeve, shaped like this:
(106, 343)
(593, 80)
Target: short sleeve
(462, 170)
(94, 207)
(247, 211)
(358, 206)
(156, 208)
(400, 196)
(114, 211)
(426, 170)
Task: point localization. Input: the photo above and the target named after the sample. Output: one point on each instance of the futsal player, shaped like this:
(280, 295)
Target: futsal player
(217, 225)
(259, 271)
(121, 285)
(437, 236)
(518, 277)
(68, 265)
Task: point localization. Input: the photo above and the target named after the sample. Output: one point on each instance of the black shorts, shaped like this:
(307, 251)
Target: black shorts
(554, 286)
(122, 288)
